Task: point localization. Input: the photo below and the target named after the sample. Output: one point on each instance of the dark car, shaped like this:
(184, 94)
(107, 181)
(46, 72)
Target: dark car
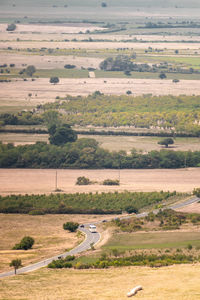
(82, 226)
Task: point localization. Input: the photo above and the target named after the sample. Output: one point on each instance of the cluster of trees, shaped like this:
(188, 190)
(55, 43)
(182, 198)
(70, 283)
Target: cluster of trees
(85, 153)
(104, 203)
(180, 114)
(166, 219)
(29, 71)
(125, 63)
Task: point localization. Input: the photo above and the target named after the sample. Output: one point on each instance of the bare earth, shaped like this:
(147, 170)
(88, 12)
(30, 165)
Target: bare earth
(192, 208)
(16, 92)
(97, 45)
(38, 181)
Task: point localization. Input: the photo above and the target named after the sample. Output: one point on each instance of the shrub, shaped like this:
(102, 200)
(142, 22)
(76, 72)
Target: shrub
(71, 226)
(111, 182)
(54, 80)
(82, 181)
(68, 66)
(11, 27)
(25, 244)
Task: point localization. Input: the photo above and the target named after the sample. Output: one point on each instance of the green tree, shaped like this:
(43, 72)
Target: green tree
(11, 27)
(60, 135)
(30, 70)
(166, 142)
(162, 76)
(71, 226)
(103, 4)
(54, 80)
(25, 244)
(16, 263)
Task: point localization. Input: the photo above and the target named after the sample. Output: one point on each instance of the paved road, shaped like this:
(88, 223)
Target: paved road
(86, 244)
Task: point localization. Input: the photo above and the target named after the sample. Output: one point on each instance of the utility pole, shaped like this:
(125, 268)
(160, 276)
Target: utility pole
(56, 186)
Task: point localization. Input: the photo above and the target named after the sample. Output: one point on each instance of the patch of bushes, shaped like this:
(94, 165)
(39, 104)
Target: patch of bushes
(83, 181)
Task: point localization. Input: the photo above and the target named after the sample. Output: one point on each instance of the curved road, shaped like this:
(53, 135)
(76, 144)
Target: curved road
(91, 238)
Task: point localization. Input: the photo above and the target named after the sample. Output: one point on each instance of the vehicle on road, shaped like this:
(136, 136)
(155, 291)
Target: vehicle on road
(92, 228)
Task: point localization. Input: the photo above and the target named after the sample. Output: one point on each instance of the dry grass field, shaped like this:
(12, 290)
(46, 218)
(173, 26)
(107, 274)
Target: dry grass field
(111, 143)
(97, 45)
(179, 282)
(15, 93)
(48, 61)
(47, 230)
(39, 181)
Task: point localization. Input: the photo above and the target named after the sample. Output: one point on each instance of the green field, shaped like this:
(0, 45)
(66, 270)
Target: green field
(158, 240)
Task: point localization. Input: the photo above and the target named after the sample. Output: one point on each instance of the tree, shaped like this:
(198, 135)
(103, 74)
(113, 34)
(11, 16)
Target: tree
(68, 66)
(71, 226)
(16, 263)
(162, 76)
(30, 70)
(61, 134)
(11, 27)
(103, 4)
(54, 80)
(25, 244)
(166, 142)
(176, 80)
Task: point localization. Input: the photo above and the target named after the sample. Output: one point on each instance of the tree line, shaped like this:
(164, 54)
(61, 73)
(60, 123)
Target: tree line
(86, 154)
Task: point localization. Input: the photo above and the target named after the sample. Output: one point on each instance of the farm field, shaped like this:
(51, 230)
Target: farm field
(16, 93)
(111, 143)
(154, 240)
(162, 283)
(47, 230)
(42, 181)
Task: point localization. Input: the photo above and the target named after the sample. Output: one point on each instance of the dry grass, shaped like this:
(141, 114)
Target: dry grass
(66, 28)
(16, 92)
(180, 282)
(97, 45)
(50, 238)
(48, 61)
(16, 181)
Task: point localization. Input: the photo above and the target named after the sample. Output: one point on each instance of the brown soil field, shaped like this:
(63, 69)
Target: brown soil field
(96, 45)
(178, 282)
(38, 181)
(16, 92)
(67, 28)
(52, 35)
(48, 61)
(47, 231)
(192, 208)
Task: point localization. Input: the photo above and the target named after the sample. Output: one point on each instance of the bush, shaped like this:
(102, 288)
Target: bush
(25, 244)
(71, 226)
(11, 27)
(54, 80)
(82, 181)
(69, 66)
(111, 182)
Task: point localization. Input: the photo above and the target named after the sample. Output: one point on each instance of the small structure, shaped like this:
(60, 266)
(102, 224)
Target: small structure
(134, 291)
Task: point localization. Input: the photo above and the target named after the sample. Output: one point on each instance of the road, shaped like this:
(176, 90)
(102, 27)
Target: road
(91, 238)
